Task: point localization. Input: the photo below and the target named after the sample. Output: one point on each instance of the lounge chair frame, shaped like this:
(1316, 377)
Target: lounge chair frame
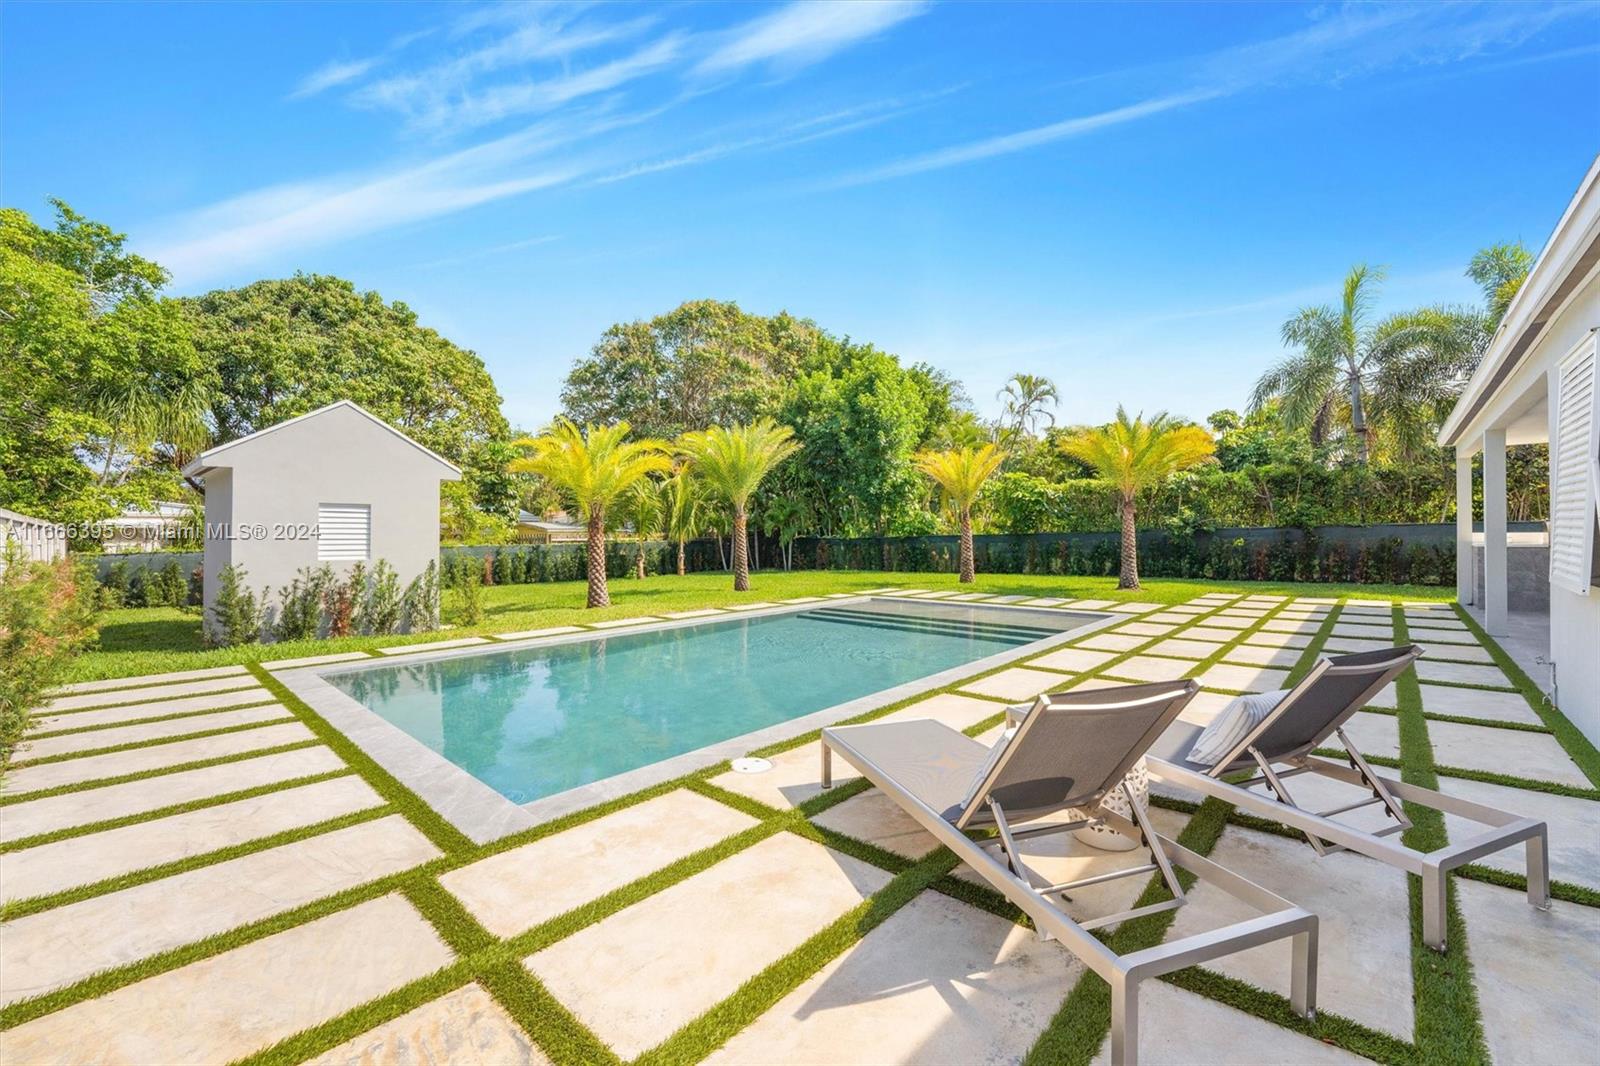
(1326, 835)
(999, 861)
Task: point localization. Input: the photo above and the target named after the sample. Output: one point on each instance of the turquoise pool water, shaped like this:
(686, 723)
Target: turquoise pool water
(536, 721)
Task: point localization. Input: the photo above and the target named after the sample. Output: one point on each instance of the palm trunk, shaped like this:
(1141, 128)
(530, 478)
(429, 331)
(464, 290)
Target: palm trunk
(599, 593)
(968, 570)
(638, 565)
(741, 553)
(1129, 578)
(1358, 421)
(682, 569)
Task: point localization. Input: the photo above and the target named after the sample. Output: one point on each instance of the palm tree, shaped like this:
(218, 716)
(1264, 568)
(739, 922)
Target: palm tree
(641, 506)
(685, 511)
(1340, 366)
(731, 462)
(1134, 455)
(140, 411)
(1026, 396)
(591, 467)
(960, 473)
(787, 515)
(1500, 270)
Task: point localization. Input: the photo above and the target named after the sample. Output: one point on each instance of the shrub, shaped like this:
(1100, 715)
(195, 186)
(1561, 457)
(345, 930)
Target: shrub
(46, 616)
(300, 604)
(419, 607)
(383, 599)
(466, 585)
(238, 616)
(339, 603)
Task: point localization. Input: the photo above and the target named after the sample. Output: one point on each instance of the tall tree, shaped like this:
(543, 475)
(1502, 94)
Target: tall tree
(1026, 397)
(732, 462)
(1500, 270)
(1133, 455)
(288, 346)
(684, 511)
(961, 474)
(592, 467)
(1342, 356)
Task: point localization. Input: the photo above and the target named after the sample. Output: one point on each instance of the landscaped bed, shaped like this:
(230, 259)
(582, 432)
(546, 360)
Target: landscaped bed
(372, 927)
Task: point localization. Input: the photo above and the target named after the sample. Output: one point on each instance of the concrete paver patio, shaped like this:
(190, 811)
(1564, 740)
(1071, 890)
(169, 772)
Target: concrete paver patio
(324, 890)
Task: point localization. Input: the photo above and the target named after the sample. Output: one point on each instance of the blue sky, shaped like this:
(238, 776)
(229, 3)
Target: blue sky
(1129, 199)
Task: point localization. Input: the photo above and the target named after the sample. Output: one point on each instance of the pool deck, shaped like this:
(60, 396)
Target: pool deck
(198, 871)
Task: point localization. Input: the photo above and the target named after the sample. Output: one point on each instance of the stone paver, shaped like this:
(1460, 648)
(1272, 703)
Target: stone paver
(518, 889)
(1535, 973)
(618, 623)
(1461, 673)
(1190, 609)
(82, 700)
(818, 599)
(548, 631)
(1574, 828)
(1292, 625)
(757, 606)
(1487, 704)
(1372, 734)
(1505, 751)
(1146, 629)
(877, 819)
(150, 679)
(95, 739)
(1169, 618)
(1044, 601)
(1465, 653)
(1113, 642)
(1244, 678)
(1008, 599)
(84, 860)
(704, 612)
(1351, 645)
(1222, 621)
(1179, 1028)
(1279, 640)
(95, 767)
(245, 999)
(464, 1028)
(951, 708)
(1440, 624)
(938, 982)
(1210, 633)
(1184, 648)
(1256, 655)
(1128, 607)
(140, 711)
(47, 815)
(1151, 668)
(1364, 947)
(434, 645)
(595, 973)
(57, 947)
(1016, 683)
(795, 777)
(1095, 605)
(1074, 660)
(317, 660)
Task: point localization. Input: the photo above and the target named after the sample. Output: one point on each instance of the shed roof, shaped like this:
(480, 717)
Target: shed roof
(209, 460)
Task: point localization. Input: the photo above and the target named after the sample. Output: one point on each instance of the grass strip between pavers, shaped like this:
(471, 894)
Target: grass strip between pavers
(7, 799)
(123, 723)
(246, 683)
(156, 742)
(1448, 1023)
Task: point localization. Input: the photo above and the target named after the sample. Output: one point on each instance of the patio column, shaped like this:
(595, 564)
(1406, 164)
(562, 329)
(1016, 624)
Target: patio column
(1495, 575)
(1464, 575)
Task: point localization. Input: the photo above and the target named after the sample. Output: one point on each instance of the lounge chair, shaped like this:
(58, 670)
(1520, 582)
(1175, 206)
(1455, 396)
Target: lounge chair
(1282, 747)
(1070, 751)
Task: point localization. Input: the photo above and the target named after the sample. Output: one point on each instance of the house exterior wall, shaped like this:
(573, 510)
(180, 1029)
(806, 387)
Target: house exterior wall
(1574, 619)
(274, 484)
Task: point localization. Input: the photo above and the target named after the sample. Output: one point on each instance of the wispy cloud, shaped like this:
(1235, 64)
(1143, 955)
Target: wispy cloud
(331, 75)
(805, 32)
(1022, 140)
(485, 253)
(1350, 43)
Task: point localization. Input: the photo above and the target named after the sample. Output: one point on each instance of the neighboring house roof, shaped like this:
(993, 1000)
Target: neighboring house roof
(215, 458)
(553, 525)
(1568, 257)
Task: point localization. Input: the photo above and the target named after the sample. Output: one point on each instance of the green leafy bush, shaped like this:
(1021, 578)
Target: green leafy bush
(46, 616)
(238, 615)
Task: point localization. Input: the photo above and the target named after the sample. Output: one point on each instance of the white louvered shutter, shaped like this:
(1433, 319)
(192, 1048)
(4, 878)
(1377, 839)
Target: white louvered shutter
(1575, 472)
(344, 532)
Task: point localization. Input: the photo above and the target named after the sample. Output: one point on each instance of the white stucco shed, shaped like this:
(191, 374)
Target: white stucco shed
(338, 485)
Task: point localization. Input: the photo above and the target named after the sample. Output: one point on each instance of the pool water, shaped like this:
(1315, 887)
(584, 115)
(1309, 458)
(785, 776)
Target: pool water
(532, 722)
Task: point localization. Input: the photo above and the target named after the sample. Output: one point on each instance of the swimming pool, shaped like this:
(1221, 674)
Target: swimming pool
(532, 722)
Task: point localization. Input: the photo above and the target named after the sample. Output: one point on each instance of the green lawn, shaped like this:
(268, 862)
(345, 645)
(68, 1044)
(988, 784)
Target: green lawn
(158, 639)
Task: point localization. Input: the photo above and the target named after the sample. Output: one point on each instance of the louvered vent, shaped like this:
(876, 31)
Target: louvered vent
(1575, 473)
(344, 532)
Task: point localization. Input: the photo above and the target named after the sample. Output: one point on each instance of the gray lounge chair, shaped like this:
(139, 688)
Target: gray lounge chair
(1071, 750)
(1282, 747)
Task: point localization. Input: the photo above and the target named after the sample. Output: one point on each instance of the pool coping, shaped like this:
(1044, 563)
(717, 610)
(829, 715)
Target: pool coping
(483, 814)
